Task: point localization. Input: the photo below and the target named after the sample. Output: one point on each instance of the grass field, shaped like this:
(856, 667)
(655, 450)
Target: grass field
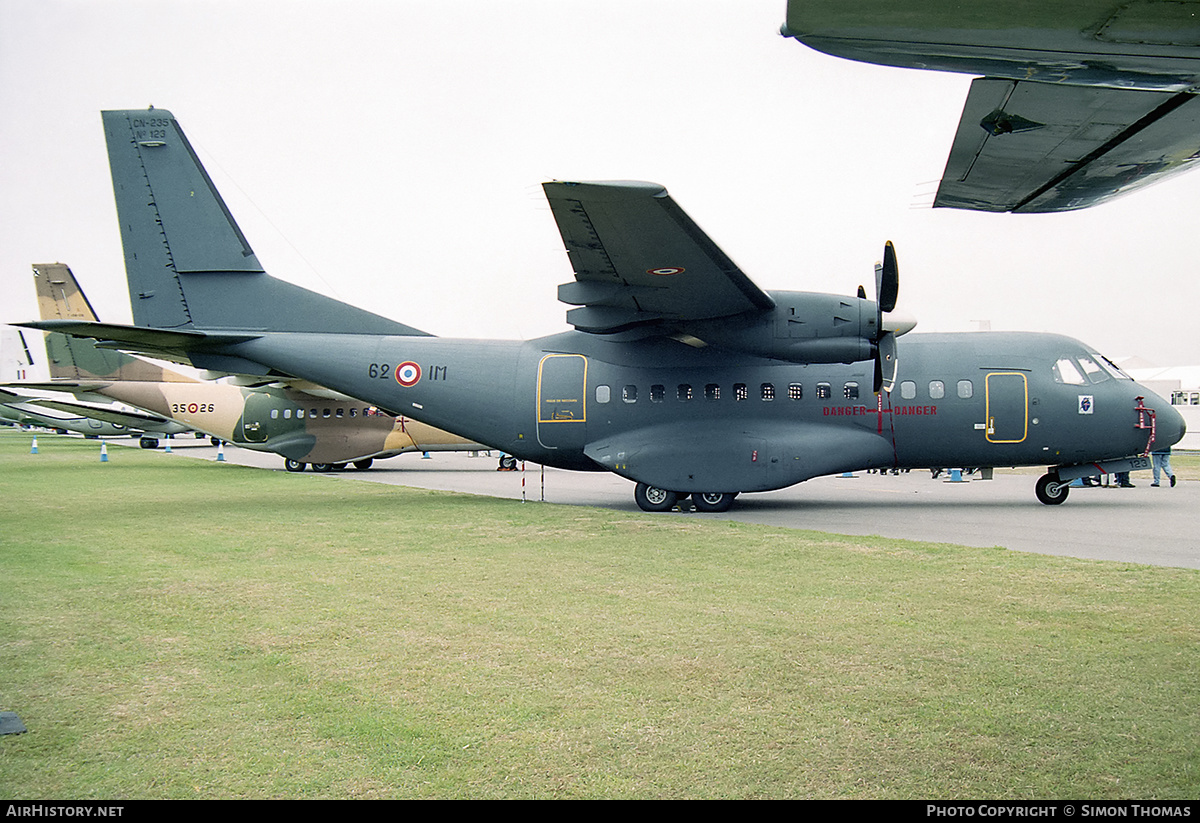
(171, 628)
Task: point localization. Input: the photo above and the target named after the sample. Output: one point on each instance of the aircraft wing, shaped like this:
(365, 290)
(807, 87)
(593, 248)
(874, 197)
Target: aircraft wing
(128, 419)
(1041, 147)
(639, 260)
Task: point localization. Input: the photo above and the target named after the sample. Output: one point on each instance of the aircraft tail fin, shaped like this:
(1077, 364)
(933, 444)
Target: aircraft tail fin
(188, 263)
(77, 358)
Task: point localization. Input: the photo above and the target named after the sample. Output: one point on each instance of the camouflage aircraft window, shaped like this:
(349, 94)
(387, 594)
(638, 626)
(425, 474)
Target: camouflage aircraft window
(767, 391)
(684, 391)
(629, 394)
(712, 392)
(850, 391)
(1093, 371)
(740, 392)
(908, 389)
(274, 414)
(795, 391)
(966, 389)
(339, 413)
(287, 414)
(325, 412)
(312, 414)
(353, 412)
(1065, 371)
(603, 394)
(937, 389)
(658, 393)
(824, 392)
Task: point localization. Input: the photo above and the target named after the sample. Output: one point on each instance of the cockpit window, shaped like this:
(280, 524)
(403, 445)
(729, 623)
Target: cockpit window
(1065, 371)
(1093, 371)
(1111, 367)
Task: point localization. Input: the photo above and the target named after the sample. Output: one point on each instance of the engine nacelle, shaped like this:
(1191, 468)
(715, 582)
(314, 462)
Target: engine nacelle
(804, 327)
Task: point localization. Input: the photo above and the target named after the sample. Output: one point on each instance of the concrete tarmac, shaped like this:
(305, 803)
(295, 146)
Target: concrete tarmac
(1154, 526)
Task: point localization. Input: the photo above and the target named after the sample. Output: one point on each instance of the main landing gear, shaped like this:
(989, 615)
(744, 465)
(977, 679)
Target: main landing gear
(1050, 490)
(299, 466)
(652, 499)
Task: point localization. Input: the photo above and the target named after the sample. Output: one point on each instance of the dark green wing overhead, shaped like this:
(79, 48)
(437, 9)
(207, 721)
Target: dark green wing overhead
(639, 260)
(1040, 147)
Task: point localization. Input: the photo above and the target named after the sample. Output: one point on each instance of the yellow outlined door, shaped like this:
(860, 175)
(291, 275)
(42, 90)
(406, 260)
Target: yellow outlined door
(1007, 407)
(561, 400)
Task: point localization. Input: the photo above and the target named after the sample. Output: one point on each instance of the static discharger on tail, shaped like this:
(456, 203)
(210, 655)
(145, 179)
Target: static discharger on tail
(680, 374)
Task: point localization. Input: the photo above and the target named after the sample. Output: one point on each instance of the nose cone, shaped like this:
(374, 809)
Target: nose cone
(1169, 427)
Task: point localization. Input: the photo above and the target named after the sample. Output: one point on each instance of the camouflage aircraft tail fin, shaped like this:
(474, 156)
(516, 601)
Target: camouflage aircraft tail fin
(189, 265)
(77, 358)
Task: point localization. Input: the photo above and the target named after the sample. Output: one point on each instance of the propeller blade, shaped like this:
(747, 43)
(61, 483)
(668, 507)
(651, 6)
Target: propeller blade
(885, 362)
(887, 279)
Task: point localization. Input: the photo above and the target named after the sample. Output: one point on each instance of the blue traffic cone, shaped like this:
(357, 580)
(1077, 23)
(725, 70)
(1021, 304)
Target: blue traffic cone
(221, 452)
(103, 452)
(33, 449)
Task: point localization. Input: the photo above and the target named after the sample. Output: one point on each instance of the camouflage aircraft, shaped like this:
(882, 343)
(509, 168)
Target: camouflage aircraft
(1080, 100)
(22, 404)
(327, 432)
(681, 374)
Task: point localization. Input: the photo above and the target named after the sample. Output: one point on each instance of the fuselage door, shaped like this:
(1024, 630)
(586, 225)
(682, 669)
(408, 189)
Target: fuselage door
(1007, 407)
(256, 417)
(561, 400)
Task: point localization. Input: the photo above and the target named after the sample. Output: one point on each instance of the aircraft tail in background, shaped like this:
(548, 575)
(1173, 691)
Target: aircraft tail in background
(79, 359)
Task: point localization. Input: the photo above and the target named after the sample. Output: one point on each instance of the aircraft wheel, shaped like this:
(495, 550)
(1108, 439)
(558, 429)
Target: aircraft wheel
(712, 501)
(216, 441)
(294, 465)
(508, 463)
(322, 467)
(148, 443)
(364, 464)
(650, 499)
(1050, 490)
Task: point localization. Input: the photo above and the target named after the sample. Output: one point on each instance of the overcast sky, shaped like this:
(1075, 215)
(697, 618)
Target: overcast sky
(390, 154)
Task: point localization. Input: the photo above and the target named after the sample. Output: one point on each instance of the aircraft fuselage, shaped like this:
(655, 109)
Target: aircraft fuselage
(709, 420)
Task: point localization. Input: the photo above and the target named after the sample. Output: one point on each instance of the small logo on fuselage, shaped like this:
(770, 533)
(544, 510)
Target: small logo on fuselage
(1085, 404)
(666, 270)
(408, 374)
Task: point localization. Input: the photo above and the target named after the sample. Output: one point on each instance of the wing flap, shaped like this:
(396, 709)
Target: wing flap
(1038, 147)
(639, 259)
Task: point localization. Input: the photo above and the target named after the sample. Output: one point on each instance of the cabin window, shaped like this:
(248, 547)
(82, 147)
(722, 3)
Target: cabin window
(274, 414)
(339, 413)
(908, 389)
(1065, 371)
(966, 389)
(353, 412)
(850, 391)
(658, 393)
(325, 412)
(287, 414)
(312, 414)
(795, 391)
(712, 392)
(603, 394)
(740, 392)
(824, 392)
(937, 389)
(629, 394)
(684, 392)
(767, 391)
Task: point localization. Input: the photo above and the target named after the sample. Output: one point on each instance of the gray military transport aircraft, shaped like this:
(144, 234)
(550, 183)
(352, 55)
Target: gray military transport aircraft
(681, 374)
(1079, 100)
